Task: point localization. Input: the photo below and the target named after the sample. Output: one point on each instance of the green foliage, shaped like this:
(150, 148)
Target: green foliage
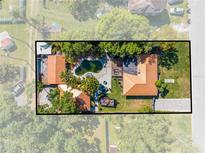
(146, 134)
(67, 104)
(126, 48)
(162, 87)
(84, 9)
(169, 55)
(89, 85)
(120, 24)
(54, 95)
(70, 79)
(39, 86)
(23, 131)
(166, 46)
(75, 50)
(8, 73)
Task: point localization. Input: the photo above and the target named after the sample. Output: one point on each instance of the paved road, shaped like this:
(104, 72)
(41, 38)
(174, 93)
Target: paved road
(173, 105)
(197, 37)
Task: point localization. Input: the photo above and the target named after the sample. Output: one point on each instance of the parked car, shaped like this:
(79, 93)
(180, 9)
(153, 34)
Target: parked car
(189, 11)
(18, 89)
(173, 2)
(177, 11)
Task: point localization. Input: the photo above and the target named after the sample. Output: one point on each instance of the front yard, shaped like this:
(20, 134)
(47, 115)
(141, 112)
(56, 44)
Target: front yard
(124, 104)
(180, 72)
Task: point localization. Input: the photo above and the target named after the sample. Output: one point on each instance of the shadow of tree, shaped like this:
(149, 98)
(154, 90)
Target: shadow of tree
(168, 58)
(160, 20)
(164, 93)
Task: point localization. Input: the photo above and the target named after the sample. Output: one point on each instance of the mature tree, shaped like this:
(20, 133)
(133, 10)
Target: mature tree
(89, 85)
(67, 104)
(8, 73)
(146, 134)
(168, 55)
(75, 50)
(121, 24)
(84, 9)
(162, 87)
(165, 46)
(54, 95)
(23, 131)
(112, 48)
(70, 79)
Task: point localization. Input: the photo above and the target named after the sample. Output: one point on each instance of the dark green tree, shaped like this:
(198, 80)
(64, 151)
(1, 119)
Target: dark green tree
(84, 9)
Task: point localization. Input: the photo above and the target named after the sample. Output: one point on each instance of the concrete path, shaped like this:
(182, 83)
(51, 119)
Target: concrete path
(173, 105)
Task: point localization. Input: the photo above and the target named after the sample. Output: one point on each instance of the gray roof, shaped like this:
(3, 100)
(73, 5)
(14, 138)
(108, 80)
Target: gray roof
(147, 7)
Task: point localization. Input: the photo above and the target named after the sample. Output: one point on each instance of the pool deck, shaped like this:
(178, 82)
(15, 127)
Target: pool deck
(104, 75)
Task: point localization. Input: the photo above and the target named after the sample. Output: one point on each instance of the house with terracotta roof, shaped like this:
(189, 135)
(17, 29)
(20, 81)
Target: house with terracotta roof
(82, 99)
(139, 80)
(147, 7)
(56, 65)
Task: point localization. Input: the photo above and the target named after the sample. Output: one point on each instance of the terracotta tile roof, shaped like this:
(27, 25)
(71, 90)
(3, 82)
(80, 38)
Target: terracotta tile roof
(82, 99)
(83, 102)
(56, 65)
(143, 83)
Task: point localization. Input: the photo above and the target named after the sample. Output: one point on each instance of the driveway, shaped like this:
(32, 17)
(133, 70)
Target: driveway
(173, 105)
(21, 99)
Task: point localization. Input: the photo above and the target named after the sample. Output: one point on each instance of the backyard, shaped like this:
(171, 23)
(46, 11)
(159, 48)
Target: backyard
(89, 66)
(125, 104)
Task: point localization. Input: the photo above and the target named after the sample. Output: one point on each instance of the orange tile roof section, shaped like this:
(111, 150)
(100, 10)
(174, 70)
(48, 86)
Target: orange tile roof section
(142, 84)
(83, 102)
(56, 65)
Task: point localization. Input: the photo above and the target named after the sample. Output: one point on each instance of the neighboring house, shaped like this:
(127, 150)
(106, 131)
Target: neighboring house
(139, 80)
(147, 7)
(56, 65)
(6, 43)
(82, 99)
(43, 48)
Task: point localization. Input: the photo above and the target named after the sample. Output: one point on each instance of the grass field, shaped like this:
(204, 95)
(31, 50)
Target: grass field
(124, 104)
(180, 72)
(61, 15)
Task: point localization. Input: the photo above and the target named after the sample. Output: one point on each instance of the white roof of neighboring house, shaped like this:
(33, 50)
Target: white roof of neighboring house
(4, 35)
(43, 48)
(75, 92)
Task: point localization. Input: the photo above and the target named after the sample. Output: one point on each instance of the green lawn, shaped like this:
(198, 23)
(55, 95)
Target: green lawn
(124, 104)
(180, 72)
(89, 66)
(60, 14)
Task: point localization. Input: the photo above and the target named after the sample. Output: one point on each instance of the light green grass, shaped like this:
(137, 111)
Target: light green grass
(180, 72)
(124, 104)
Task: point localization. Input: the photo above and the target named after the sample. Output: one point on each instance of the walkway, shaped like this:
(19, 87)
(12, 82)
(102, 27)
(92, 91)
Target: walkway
(173, 105)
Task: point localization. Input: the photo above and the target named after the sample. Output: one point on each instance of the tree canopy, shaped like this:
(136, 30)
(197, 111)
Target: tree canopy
(121, 24)
(84, 9)
(89, 85)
